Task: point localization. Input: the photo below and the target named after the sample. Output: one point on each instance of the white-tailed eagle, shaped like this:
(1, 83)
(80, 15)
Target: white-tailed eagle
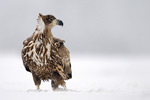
(45, 56)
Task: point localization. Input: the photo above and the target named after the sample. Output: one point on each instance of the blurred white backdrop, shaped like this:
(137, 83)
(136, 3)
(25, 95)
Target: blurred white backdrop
(108, 40)
(91, 26)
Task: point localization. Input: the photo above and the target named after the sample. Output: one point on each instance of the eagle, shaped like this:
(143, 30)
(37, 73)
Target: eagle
(45, 56)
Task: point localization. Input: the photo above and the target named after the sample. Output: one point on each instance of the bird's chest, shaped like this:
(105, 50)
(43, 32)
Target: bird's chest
(40, 52)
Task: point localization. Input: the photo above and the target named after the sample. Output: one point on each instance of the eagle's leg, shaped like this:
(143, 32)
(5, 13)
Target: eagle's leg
(63, 83)
(37, 80)
(54, 84)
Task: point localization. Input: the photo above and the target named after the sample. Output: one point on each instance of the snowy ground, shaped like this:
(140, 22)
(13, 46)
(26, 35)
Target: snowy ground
(95, 77)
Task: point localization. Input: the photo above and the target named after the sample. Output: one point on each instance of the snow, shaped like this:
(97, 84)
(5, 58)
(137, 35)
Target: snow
(95, 77)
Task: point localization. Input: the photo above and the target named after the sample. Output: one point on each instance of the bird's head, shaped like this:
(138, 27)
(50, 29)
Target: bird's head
(48, 20)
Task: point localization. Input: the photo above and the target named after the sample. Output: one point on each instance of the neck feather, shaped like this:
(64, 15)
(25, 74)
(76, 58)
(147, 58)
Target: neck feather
(47, 32)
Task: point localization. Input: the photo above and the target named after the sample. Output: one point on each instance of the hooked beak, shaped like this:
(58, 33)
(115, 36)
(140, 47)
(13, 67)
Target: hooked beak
(59, 22)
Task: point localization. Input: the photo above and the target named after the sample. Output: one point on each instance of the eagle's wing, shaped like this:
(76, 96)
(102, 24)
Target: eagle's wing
(64, 56)
(25, 43)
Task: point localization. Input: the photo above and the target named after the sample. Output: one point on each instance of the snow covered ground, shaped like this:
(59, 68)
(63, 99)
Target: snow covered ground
(95, 77)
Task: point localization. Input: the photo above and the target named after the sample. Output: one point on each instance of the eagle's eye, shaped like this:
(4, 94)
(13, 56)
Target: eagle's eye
(48, 19)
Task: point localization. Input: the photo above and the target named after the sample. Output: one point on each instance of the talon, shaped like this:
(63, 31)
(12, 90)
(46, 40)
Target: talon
(54, 89)
(65, 88)
(38, 87)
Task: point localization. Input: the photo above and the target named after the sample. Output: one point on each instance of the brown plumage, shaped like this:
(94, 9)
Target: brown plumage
(45, 56)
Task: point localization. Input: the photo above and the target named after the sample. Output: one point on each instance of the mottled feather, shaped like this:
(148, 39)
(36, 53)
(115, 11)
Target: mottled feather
(45, 56)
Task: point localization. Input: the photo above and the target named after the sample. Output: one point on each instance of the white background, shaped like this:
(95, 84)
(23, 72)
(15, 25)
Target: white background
(101, 26)
(109, 45)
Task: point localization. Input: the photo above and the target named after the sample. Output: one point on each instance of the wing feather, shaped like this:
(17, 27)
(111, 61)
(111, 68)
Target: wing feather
(25, 43)
(63, 54)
